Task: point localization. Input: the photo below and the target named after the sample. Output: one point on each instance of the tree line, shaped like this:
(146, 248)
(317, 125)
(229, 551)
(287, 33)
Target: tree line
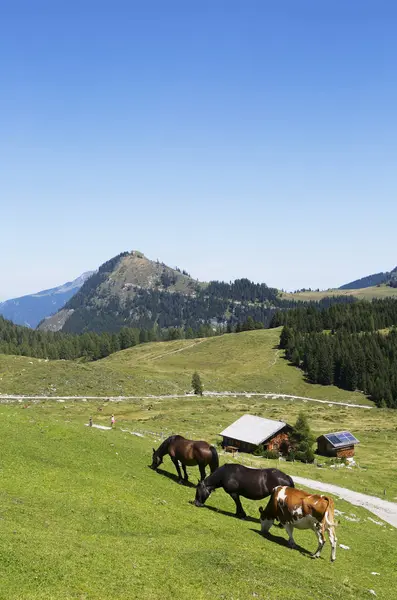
(19, 340)
(351, 317)
(344, 346)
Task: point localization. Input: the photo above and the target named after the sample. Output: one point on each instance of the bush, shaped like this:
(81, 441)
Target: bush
(270, 454)
(291, 456)
(262, 451)
(306, 456)
(259, 450)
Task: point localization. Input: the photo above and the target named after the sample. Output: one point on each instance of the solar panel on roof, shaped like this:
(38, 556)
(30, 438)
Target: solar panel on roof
(333, 439)
(350, 437)
(341, 438)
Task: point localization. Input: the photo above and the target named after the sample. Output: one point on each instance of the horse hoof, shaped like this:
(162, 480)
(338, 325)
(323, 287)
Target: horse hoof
(180, 481)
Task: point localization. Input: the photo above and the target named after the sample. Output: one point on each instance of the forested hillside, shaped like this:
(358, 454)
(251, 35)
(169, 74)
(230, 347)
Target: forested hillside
(133, 291)
(351, 346)
(18, 340)
(386, 277)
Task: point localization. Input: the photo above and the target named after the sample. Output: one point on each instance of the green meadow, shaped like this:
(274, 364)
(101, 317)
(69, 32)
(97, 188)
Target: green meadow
(248, 362)
(83, 517)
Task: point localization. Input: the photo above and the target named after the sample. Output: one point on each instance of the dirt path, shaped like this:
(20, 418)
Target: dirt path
(382, 508)
(180, 349)
(21, 398)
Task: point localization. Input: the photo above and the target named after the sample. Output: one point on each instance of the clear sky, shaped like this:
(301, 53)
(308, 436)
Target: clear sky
(231, 138)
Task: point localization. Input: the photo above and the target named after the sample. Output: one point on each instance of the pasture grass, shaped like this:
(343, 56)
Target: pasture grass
(205, 418)
(383, 291)
(249, 361)
(83, 517)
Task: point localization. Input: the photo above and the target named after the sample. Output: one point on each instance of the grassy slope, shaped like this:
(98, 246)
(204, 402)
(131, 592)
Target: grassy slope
(382, 291)
(206, 417)
(83, 517)
(236, 362)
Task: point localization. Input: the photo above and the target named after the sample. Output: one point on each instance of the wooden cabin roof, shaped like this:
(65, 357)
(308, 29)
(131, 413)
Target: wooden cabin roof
(252, 429)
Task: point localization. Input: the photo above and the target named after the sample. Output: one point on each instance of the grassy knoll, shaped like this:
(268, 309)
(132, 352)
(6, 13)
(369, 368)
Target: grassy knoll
(83, 517)
(236, 362)
(383, 291)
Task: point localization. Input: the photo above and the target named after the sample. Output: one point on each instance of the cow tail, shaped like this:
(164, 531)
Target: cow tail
(214, 460)
(329, 511)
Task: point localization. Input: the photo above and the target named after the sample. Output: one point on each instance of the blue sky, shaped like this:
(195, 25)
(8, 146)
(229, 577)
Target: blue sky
(230, 138)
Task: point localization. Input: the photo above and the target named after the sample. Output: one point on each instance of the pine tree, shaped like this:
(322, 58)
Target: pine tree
(302, 439)
(196, 384)
(249, 324)
(286, 336)
(143, 336)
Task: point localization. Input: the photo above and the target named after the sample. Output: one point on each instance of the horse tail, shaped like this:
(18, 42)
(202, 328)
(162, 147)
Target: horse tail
(291, 482)
(214, 464)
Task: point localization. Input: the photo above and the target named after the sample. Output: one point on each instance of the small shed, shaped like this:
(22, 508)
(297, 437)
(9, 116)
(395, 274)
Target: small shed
(249, 431)
(340, 444)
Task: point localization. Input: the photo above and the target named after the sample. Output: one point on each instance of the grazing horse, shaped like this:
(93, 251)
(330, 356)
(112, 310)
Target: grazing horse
(296, 508)
(188, 453)
(238, 480)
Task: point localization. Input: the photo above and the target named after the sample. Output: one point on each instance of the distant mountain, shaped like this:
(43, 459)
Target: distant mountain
(31, 309)
(132, 291)
(385, 278)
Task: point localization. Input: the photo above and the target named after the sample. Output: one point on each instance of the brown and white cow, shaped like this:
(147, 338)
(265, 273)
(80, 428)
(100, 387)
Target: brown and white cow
(295, 508)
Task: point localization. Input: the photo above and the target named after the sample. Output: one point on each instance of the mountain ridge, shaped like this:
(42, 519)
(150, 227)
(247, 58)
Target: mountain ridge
(31, 309)
(382, 278)
(131, 290)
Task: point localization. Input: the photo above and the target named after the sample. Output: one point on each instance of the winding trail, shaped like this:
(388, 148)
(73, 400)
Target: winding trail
(180, 349)
(382, 508)
(273, 396)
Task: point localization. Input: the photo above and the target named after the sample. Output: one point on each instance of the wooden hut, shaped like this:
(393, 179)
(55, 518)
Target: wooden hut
(340, 444)
(249, 431)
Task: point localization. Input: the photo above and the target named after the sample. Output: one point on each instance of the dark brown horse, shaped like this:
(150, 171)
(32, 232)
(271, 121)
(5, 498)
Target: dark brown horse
(238, 480)
(188, 453)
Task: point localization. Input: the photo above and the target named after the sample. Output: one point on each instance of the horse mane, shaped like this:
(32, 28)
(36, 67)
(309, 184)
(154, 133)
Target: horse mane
(163, 448)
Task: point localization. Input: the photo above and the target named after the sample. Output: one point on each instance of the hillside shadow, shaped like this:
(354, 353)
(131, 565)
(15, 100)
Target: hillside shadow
(174, 478)
(227, 513)
(281, 541)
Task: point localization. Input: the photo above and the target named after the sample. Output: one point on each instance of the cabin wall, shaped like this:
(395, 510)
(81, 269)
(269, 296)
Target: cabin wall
(325, 448)
(345, 452)
(242, 446)
(280, 442)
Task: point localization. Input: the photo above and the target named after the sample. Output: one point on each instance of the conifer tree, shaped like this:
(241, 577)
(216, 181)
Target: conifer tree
(302, 439)
(196, 384)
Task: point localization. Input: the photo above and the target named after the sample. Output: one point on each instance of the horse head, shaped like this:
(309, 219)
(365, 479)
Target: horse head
(202, 493)
(156, 460)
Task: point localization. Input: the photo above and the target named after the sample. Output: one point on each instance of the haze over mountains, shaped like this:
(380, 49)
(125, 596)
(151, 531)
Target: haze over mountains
(29, 310)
